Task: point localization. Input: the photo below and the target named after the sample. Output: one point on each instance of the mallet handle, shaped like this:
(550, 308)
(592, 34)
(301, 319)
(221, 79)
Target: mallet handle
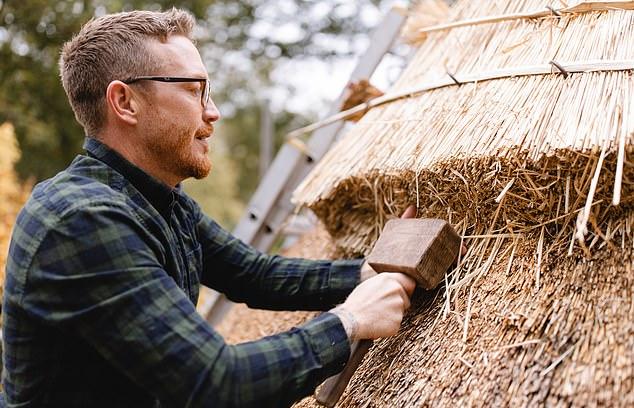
(331, 389)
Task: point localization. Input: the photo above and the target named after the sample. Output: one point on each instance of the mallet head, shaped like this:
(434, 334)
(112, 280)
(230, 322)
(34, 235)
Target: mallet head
(421, 248)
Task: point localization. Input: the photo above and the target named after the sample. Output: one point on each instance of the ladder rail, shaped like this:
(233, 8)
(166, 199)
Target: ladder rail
(270, 205)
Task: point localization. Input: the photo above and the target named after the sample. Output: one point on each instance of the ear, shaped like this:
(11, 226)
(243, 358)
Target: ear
(122, 102)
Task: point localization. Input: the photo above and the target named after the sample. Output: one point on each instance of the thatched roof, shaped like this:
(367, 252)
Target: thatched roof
(518, 130)
(417, 147)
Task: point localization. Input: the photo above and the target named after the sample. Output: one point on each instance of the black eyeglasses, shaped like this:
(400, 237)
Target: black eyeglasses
(204, 96)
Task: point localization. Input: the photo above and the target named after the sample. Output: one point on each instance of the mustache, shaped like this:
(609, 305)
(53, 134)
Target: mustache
(205, 131)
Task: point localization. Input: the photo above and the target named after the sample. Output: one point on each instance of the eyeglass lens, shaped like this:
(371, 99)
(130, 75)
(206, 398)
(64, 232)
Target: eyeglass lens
(206, 93)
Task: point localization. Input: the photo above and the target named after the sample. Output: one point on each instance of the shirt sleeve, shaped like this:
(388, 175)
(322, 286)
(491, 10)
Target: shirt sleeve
(272, 282)
(96, 276)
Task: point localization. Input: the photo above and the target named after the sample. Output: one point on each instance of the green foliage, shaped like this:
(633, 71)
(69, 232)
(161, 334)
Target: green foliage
(239, 43)
(240, 133)
(31, 96)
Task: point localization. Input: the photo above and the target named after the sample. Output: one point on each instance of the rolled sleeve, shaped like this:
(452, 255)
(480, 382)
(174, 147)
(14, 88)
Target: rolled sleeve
(272, 282)
(329, 340)
(344, 276)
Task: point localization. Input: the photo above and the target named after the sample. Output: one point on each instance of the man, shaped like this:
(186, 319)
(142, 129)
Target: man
(106, 257)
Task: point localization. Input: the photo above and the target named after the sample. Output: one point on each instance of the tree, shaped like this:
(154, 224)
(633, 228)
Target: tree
(31, 96)
(241, 42)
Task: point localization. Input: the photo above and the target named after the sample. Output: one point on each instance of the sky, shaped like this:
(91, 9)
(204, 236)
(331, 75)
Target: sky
(318, 82)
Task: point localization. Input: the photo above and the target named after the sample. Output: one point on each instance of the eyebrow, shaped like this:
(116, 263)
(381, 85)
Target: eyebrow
(197, 74)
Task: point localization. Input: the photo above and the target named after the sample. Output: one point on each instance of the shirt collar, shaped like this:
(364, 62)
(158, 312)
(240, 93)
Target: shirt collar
(160, 195)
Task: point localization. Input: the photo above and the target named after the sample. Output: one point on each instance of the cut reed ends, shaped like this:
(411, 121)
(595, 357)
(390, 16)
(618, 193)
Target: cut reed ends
(536, 173)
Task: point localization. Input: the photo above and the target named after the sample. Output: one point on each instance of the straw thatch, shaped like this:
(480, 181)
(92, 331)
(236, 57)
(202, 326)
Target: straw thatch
(518, 128)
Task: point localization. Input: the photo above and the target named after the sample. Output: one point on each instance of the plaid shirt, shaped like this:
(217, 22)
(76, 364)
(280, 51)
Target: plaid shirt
(102, 278)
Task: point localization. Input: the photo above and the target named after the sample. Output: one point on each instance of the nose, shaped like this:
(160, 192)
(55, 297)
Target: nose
(211, 113)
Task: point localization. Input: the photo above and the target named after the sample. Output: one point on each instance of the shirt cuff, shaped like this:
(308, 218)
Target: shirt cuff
(344, 276)
(329, 342)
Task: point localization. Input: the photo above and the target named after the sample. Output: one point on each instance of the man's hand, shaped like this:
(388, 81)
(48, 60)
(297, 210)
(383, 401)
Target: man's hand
(375, 308)
(366, 270)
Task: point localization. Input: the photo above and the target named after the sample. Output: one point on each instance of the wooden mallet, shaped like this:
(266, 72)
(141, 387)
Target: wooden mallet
(421, 248)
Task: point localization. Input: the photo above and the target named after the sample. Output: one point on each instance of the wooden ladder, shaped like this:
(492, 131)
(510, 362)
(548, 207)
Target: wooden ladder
(270, 205)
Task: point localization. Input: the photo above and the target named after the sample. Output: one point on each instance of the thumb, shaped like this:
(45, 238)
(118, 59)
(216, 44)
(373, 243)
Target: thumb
(410, 212)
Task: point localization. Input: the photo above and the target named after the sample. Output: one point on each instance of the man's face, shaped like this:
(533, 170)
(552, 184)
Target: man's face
(174, 127)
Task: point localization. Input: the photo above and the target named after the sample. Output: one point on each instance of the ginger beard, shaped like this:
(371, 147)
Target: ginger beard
(176, 148)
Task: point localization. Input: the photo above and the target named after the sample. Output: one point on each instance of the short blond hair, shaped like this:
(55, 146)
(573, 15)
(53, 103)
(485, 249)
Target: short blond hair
(113, 47)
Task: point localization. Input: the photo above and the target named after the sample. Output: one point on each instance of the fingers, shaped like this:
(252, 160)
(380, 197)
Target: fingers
(366, 272)
(379, 303)
(405, 298)
(406, 302)
(406, 282)
(410, 212)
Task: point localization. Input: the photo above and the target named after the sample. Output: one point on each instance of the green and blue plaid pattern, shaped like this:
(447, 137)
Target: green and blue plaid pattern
(102, 278)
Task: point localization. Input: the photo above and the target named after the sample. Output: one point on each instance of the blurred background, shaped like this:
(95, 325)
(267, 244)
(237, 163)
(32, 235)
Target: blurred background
(275, 65)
